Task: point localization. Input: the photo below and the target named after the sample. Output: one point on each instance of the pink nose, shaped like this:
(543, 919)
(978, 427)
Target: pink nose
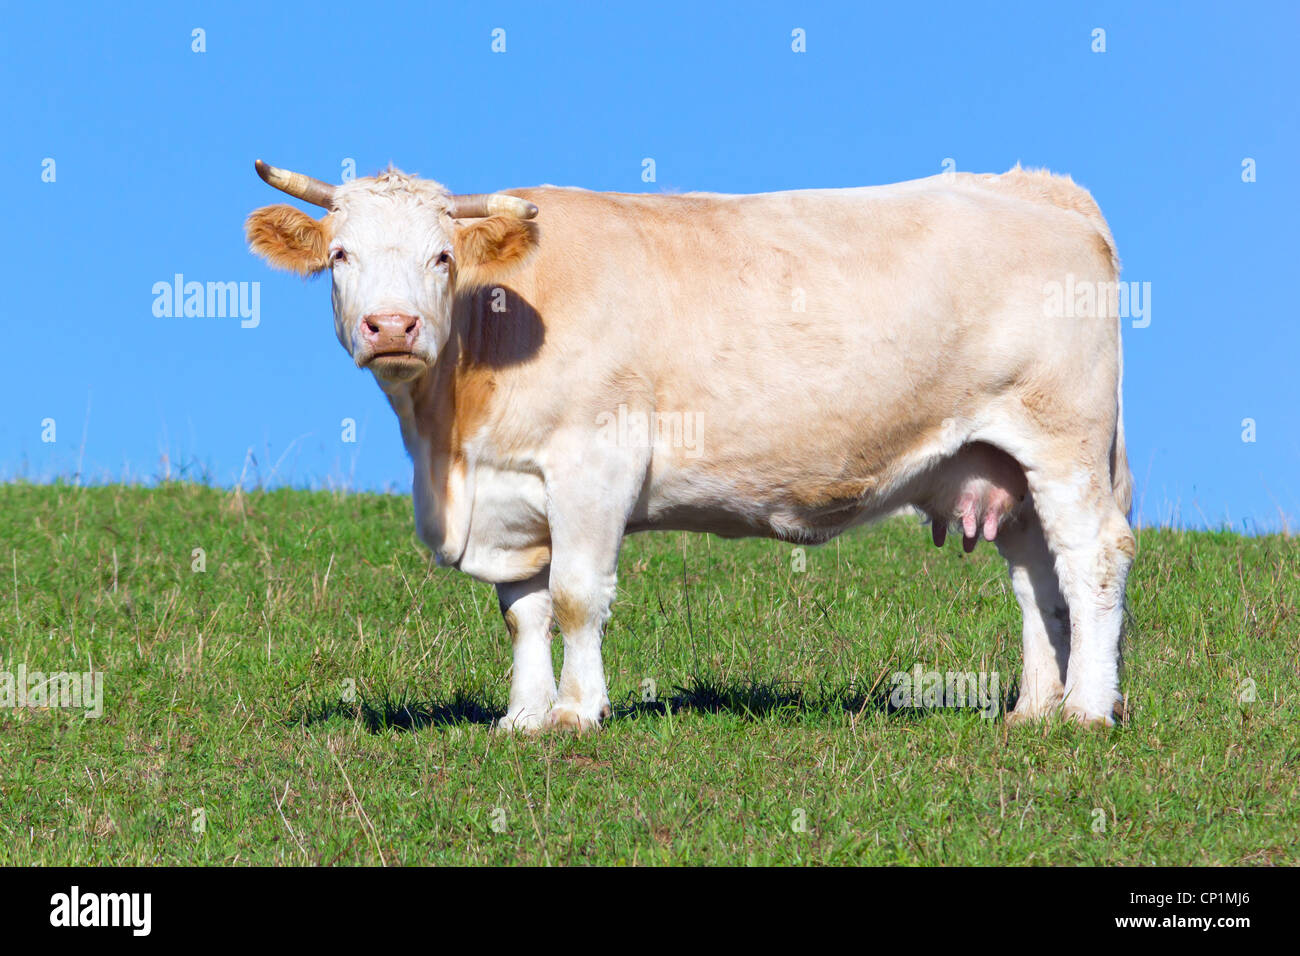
(390, 332)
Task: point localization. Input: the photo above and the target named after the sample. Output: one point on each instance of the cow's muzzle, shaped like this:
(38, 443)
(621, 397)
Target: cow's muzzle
(389, 340)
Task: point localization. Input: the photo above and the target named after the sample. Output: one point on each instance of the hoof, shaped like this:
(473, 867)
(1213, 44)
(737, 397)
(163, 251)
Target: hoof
(530, 722)
(572, 717)
(1029, 711)
(1087, 718)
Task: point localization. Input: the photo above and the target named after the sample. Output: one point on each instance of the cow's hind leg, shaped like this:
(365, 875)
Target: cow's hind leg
(1094, 547)
(526, 607)
(1046, 615)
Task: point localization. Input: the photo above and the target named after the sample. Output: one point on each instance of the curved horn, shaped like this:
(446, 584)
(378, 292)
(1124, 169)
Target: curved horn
(480, 205)
(296, 184)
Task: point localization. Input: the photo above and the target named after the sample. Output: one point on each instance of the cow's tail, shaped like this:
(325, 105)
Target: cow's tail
(1121, 478)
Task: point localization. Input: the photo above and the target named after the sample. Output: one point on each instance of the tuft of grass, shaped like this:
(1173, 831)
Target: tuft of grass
(319, 694)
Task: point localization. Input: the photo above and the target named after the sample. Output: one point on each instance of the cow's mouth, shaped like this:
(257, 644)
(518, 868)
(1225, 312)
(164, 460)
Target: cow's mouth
(396, 365)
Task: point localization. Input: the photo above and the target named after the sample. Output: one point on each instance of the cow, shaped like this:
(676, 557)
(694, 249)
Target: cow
(821, 357)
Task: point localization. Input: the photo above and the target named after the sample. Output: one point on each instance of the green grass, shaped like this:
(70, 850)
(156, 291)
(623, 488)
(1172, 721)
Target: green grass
(225, 693)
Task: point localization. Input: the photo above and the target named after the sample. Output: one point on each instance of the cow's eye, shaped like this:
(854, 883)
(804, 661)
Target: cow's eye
(338, 255)
(444, 258)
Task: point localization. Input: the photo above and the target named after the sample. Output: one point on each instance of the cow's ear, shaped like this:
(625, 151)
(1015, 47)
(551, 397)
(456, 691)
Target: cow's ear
(290, 239)
(490, 249)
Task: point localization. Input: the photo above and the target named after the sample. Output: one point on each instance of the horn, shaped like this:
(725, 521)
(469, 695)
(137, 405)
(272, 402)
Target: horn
(296, 184)
(480, 205)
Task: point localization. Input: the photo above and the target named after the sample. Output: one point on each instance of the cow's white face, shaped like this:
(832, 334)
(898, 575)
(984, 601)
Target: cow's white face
(397, 258)
(391, 255)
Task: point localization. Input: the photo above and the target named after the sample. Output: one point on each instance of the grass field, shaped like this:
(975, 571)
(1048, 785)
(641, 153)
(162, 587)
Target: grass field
(320, 694)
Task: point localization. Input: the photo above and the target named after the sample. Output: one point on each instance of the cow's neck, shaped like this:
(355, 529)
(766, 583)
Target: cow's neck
(440, 412)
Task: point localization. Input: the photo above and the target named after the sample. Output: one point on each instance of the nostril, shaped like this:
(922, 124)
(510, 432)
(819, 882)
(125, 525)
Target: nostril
(414, 324)
(371, 326)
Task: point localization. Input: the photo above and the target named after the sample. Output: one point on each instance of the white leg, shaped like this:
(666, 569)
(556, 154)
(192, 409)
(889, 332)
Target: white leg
(526, 607)
(583, 596)
(1046, 616)
(589, 498)
(1094, 548)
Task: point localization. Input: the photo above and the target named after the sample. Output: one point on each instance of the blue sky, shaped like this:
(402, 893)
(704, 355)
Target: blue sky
(153, 146)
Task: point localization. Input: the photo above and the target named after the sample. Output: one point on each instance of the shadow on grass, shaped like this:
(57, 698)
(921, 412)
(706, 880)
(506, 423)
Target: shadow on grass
(463, 707)
(751, 700)
(755, 700)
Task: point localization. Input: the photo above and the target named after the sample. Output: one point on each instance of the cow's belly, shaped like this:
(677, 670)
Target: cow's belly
(812, 497)
(508, 539)
(785, 473)
(738, 509)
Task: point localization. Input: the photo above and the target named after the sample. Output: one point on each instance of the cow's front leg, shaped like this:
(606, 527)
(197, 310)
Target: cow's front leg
(526, 607)
(582, 594)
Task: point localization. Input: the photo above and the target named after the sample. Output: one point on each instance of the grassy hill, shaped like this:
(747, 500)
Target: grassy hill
(318, 693)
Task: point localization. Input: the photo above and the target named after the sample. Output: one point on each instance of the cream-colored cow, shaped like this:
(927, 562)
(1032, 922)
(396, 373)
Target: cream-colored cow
(786, 364)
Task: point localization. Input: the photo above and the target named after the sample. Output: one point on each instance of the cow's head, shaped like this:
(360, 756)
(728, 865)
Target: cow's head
(398, 248)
